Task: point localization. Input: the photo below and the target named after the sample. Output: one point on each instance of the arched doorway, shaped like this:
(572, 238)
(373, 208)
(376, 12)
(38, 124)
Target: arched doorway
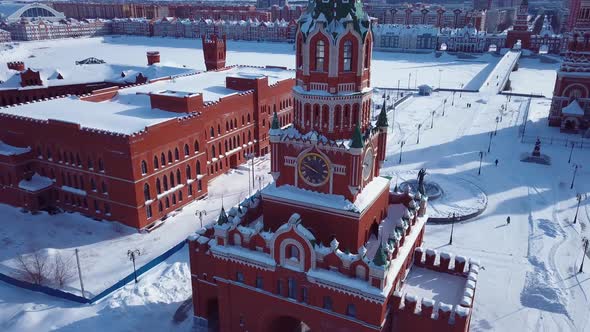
(213, 315)
(287, 324)
(374, 230)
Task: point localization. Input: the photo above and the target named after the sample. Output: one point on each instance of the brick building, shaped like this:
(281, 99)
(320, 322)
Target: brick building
(327, 246)
(140, 152)
(570, 106)
(67, 28)
(469, 40)
(520, 30)
(5, 36)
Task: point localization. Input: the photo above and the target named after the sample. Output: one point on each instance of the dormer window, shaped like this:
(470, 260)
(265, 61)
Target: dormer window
(319, 55)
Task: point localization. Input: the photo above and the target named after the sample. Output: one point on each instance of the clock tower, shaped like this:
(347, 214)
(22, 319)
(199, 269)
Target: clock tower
(333, 150)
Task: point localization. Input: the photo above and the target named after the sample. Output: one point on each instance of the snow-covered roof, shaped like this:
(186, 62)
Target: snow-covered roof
(339, 202)
(90, 73)
(9, 150)
(429, 284)
(130, 111)
(36, 183)
(573, 108)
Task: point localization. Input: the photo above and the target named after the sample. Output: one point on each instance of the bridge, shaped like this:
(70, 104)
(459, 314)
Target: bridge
(498, 78)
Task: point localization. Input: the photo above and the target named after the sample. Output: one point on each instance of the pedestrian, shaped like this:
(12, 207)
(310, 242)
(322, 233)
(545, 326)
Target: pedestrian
(508, 220)
(496, 162)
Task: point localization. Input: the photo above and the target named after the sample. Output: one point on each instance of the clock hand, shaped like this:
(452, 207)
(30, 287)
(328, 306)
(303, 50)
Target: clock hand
(311, 168)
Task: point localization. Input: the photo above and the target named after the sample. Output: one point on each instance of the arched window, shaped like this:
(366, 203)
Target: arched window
(351, 310)
(158, 187)
(143, 167)
(104, 188)
(213, 151)
(186, 150)
(367, 54)
(198, 167)
(243, 120)
(226, 126)
(188, 172)
(167, 202)
(90, 163)
(218, 129)
(226, 147)
(165, 180)
(169, 157)
(100, 165)
(319, 55)
(178, 179)
(237, 239)
(176, 154)
(172, 180)
(293, 253)
(196, 146)
(163, 159)
(146, 192)
(212, 132)
(155, 162)
(160, 207)
(361, 272)
(180, 195)
(92, 184)
(78, 160)
(248, 117)
(173, 199)
(249, 136)
(347, 55)
(48, 153)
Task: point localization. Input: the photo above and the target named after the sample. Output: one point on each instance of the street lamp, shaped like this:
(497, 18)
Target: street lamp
(397, 96)
(132, 254)
(418, 140)
(461, 91)
(453, 101)
(585, 242)
(496, 130)
(409, 79)
(490, 144)
(574, 178)
(432, 120)
(444, 104)
(480, 159)
(579, 198)
(401, 150)
(452, 227)
(571, 151)
(200, 214)
(250, 156)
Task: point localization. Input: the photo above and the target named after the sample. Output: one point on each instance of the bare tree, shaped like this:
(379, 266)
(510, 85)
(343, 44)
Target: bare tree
(63, 270)
(34, 268)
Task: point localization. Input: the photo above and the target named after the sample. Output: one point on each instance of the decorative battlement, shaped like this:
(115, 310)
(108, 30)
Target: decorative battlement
(409, 308)
(239, 236)
(16, 65)
(214, 51)
(153, 57)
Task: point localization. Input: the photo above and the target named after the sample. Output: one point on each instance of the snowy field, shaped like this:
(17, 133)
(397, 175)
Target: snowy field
(529, 282)
(410, 70)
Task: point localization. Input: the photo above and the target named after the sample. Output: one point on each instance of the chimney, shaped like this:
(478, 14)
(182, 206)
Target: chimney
(16, 65)
(153, 57)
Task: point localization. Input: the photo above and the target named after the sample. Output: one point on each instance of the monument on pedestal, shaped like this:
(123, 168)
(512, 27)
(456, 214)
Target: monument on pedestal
(536, 156)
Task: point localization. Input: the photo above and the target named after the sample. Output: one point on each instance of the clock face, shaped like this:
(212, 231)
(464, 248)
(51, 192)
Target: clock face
(368, 164)
(314, 169)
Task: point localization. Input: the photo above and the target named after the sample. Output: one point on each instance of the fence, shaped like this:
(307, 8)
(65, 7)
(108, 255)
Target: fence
(76, 298)
(582, 143)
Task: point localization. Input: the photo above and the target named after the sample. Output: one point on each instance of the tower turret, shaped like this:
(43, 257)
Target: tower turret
(214, 50)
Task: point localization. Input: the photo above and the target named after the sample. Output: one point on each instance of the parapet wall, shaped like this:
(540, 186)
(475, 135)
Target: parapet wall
(425, 314)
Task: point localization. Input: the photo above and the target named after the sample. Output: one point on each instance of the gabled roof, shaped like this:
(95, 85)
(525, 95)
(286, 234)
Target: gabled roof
(573, 108)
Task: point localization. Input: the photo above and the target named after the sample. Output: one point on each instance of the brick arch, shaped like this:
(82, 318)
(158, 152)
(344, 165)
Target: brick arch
(567, 90)
(353, 267)
(312, 51)
(285, 238)
(355, 51)
(273, 321)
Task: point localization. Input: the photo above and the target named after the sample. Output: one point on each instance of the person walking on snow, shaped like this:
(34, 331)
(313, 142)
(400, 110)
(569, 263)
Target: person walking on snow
(508, 220)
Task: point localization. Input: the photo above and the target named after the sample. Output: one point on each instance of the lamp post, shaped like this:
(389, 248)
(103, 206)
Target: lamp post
(496, 130)
(401, 150)
(132, 254)
(585, 242)
(490, 143)
(453, 101)
(250, 156)
(579, 198)
(444, 104)
(571, 152)
(574, 178)
(200, 214)
(432, 120)
(393, 118)
(452, 227)
(409, 79)
(480, 159)
(461, 92)
(397, 96)
(418, 140)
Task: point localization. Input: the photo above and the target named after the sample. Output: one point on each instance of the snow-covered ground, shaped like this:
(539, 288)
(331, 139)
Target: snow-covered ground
(529, 281)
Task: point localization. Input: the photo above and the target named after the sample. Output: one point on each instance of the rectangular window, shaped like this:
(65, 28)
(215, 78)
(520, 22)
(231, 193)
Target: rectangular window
(190, 189)
(259, 282)
(319, 56)
(292, 288)
(280, 287)
(239, 277)
(149, 211)
(327, 303)
(304, 294)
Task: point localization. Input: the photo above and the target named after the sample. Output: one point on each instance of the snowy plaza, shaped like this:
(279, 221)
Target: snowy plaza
(528, 279)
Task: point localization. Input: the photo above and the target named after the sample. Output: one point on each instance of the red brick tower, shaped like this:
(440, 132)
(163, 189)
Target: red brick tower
(520, 30)
(153, 57)
(214, 52)
(570, 106)
(579, 18)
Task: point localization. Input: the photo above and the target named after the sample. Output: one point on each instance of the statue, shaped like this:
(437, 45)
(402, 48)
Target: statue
(537, 149)
(421, 175)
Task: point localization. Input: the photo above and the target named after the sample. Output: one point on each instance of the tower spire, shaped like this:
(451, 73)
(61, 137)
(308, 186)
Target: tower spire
(382, 119)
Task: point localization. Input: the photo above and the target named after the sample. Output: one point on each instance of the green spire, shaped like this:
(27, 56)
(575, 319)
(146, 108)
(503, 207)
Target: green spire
(382, 119)
(222, 219)
(380, 258)
(275, 121)
(357, 138)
